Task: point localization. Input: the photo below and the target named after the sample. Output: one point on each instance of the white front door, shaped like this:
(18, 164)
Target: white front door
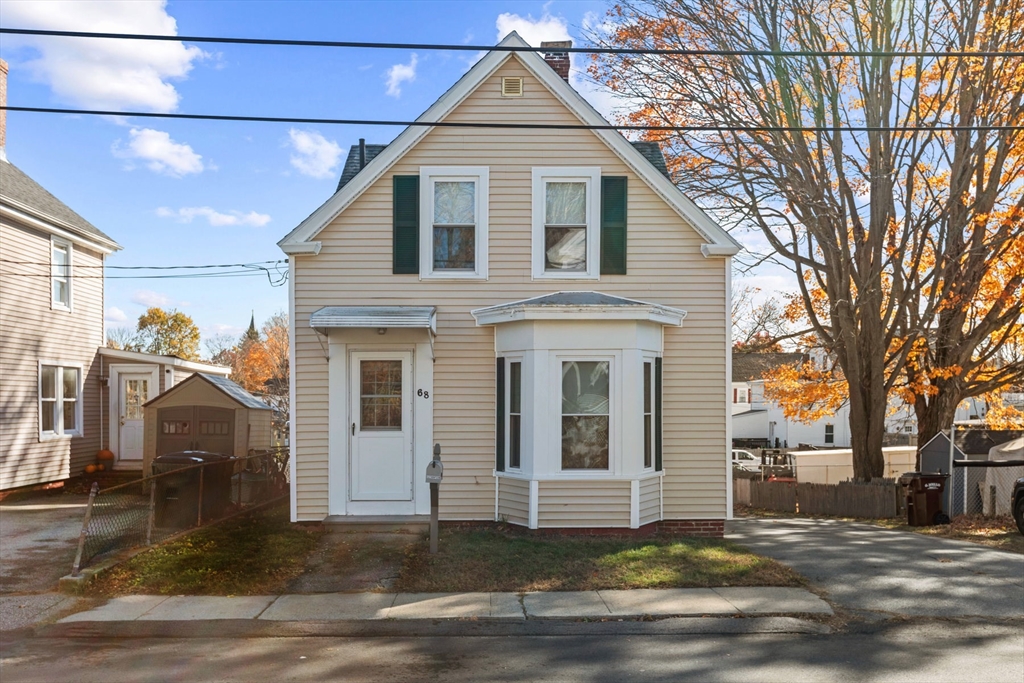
(381, 426)
(134, 392)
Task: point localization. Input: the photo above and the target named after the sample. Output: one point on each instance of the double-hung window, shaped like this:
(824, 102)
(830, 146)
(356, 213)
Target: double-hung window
(453, 216)
(515, 415)
(60, 407)
(60, 275)
(566, 222)
(586, 403)
(830, 433)
(648, 414)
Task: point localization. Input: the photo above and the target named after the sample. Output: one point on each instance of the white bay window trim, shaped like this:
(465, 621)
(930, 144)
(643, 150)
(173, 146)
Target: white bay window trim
(60, 275)
(58, 403)
(591, 177)
(429, 176)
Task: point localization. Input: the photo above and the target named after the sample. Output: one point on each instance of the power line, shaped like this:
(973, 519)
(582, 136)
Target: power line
(254, 264)
(512, 48)
(519, 126)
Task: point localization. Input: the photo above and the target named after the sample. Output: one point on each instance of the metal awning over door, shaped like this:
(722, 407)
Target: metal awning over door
(333, 317)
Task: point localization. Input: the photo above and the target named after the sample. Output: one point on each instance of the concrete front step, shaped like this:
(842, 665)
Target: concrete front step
(393, 523)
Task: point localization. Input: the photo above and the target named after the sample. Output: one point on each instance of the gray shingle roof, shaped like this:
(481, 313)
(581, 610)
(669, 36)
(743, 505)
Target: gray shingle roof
(650, 151)
(352, 162)
(16, 187)
(581, 299)
(234, 391)
(751, 366)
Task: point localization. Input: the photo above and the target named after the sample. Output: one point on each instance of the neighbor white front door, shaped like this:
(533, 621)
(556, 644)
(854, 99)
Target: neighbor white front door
(134, 392)
(381, 426)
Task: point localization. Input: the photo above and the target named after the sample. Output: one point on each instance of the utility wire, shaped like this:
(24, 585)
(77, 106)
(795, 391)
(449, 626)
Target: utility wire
(512, 48)
(519, 126)
(214, 265)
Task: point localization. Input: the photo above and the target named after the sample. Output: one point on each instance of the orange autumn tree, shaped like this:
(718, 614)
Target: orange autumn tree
(887, 174)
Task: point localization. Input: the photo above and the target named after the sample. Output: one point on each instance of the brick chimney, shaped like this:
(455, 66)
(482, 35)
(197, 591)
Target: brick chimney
(3, 112)
(555, 55)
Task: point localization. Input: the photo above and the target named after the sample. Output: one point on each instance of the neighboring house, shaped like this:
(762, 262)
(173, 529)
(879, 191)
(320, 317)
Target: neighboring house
(545, 305)
(62, 396)
(756, 419)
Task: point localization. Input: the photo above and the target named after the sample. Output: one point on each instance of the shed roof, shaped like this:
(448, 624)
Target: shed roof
(222, 384)
(20, 191)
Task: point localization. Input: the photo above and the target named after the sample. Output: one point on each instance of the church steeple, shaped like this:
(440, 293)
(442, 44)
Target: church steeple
(251, 333)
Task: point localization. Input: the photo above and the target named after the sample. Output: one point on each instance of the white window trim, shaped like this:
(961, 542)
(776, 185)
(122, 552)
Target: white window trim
(58, 423)
(615, 365)
(59, 305)
(430, 174)
(509, 360)
(592, 177)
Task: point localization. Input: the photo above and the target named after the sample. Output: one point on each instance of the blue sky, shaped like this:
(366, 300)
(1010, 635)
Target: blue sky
(201, 192)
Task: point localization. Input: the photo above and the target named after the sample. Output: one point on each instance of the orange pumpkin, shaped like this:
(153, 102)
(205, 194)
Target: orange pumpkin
(105, 455)
(89, 469)
(100, 467)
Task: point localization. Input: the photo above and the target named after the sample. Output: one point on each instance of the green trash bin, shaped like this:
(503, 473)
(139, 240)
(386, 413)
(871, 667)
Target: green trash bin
(177, 493)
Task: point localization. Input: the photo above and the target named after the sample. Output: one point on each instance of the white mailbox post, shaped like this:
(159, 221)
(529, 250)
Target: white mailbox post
(435, 472)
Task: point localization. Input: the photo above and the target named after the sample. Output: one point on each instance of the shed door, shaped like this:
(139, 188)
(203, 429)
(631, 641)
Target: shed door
(174, 429)
(215, 430)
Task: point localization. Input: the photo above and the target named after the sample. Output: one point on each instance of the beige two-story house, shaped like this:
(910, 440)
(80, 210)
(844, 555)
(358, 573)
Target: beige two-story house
(541, 303)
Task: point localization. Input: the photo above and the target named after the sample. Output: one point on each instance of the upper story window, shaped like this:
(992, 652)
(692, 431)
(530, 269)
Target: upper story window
(453, 230)
(566, 222)
(60, 410)
(830, 433)
(60, 274)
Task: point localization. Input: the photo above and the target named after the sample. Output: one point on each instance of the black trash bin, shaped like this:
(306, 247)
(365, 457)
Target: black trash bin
(924, 498)
(177, 493)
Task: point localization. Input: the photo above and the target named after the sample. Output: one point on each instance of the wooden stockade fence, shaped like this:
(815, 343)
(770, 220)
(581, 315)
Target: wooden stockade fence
(873, 500)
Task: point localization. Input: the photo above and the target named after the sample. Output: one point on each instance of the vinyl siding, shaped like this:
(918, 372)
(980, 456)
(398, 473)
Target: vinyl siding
(583, 504)
(650, 500)
(29, 332)
(665, 265)
(514, 500)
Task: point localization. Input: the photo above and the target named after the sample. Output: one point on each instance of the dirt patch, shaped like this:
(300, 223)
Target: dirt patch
(352, 561)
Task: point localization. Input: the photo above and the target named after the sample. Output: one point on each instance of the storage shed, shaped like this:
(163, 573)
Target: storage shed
(206, 413)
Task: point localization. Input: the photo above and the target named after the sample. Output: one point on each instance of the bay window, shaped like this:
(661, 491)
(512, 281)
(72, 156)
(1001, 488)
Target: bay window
(585, 415)
(515, 415)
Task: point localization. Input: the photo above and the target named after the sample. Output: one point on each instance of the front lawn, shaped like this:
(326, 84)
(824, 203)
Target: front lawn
(517, 561)
(254, 554)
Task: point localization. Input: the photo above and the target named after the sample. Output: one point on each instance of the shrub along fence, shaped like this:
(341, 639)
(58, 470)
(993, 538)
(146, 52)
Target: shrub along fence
(154, 508)
(881, 498)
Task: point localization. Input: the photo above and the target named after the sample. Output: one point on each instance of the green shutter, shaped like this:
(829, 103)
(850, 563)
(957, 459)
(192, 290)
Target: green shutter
(499, 437)
(405, 245)
(613, 225)
(657, 415)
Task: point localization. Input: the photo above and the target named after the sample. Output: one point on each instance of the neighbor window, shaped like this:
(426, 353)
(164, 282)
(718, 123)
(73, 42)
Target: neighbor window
(60, 411)
(515, 415)
(60, 275)
(585, 415)
(830, 433)
(742, 395)
(454, 232)
(648, 414)
(565, 216)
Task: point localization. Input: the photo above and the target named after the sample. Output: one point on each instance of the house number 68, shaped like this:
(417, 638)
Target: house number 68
(424, 394)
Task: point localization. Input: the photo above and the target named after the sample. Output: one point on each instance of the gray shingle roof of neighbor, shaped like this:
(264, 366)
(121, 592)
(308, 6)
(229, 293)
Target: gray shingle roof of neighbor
(234, 391)
(751, 366)
(17, 187)
(650, 151)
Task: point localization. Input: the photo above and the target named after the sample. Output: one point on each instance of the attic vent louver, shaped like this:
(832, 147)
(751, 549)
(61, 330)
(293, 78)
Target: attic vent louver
(511, 86)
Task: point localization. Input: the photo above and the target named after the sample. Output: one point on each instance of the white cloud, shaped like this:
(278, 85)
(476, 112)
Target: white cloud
(315, 155)
(104, 74)
(149, 298)
(186, 214)
(400, 73)
(533, 31)
(114, 314)
(160, 153)
(221, 328)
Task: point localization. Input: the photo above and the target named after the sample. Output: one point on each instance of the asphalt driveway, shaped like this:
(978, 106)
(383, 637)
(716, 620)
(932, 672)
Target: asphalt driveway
(864, 567)
(38, 539)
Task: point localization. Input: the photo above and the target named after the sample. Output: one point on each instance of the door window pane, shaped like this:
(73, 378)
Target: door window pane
(380, 399)
(454, 225)
(585, 414)
(135, 394)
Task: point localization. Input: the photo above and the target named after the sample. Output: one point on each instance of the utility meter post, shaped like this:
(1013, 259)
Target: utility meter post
(435, 471)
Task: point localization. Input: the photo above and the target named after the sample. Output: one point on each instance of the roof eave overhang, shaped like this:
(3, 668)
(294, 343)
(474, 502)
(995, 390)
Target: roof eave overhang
(719, 242)
(298, 248)
(17, 211)
(496, 315)
(156, 359)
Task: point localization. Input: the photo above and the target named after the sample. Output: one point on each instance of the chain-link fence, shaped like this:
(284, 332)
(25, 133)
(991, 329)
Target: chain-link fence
(983, 487)
(177, 497)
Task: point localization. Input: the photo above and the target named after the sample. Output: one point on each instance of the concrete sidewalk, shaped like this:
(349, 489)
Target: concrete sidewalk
(678, 602)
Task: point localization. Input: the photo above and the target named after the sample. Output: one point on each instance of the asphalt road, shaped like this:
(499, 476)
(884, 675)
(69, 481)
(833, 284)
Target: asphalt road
(924, 653)
(867, 568)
